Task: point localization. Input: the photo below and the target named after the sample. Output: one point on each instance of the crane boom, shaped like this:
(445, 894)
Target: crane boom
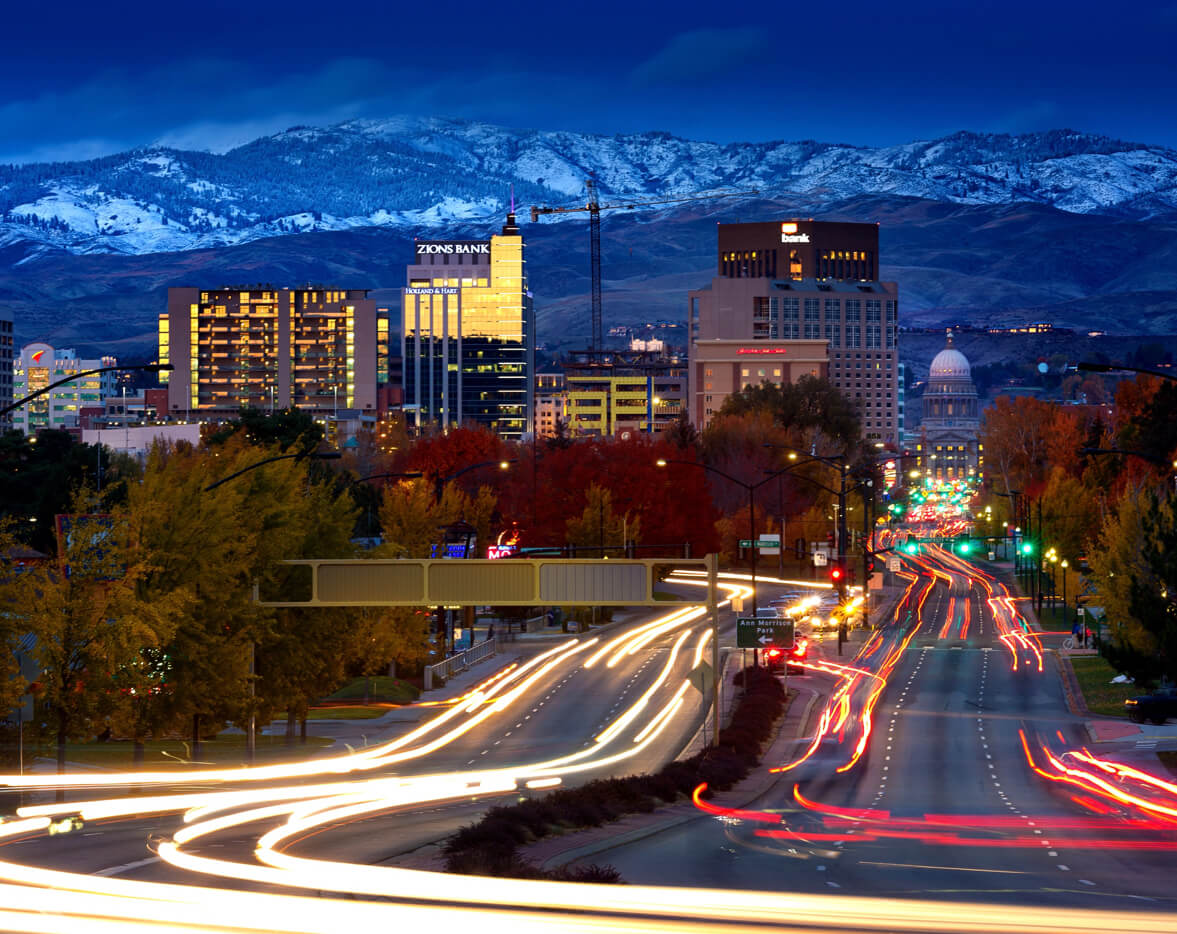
(594, 209)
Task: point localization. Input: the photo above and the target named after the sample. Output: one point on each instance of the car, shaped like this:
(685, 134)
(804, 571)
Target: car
(1157, 707)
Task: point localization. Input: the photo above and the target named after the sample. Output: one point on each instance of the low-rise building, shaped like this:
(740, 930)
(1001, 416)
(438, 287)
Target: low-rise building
(39, 366)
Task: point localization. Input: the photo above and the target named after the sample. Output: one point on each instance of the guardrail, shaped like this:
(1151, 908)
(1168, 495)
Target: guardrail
(460, 662)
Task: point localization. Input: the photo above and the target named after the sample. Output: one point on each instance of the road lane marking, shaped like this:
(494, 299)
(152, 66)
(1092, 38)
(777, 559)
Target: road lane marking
(1008, 872)
(127, 867)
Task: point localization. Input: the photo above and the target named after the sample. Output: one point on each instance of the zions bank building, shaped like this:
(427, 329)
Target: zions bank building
(468, 335)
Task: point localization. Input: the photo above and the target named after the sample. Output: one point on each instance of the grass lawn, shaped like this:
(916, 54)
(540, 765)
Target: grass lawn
(1093, 674)
(226, 749)
(349, 713)
(380, 687)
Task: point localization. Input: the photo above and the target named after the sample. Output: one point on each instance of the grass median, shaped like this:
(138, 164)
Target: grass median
(491, 846)
(1102, 697)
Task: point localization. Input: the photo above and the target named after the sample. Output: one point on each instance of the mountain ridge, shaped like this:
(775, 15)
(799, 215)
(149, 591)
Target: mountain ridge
(435, 174)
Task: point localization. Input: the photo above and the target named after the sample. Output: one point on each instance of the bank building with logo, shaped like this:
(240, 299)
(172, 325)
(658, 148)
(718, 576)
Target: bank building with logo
(468, 335)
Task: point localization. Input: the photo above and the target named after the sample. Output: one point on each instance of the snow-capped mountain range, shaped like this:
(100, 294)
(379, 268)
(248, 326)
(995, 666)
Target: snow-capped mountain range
(423, 175)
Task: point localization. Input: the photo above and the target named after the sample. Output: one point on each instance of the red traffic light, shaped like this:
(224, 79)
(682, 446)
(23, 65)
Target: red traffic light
(836, 573)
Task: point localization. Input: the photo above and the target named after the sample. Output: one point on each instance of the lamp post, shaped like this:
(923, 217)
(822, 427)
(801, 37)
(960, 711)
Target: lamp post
(413, 475)
(1063, 565)
(440, 482)
(751, 489)
(301, 455)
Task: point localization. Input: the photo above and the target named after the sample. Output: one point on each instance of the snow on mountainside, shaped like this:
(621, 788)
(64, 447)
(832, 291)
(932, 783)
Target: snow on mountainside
(422, 173)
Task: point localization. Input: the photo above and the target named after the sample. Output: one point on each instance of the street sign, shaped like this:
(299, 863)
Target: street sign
(702, 678)
(820, 560)
(762, 632)
(894, 564)
(770, 544)
(773, 542)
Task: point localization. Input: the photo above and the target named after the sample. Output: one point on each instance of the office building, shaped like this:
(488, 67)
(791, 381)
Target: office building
(550, 404)
(807, 282)
(468, 335)
(40, 365)
(949, 447)
(620, 393)
(312, 348)
(6, 361)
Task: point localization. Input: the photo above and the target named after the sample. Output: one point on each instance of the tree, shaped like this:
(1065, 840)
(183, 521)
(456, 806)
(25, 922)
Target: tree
(1015, 434)
(1070, 514)
(289, 429)
(599, 527)
(812, 405)
(1136, 574)
(94, 630)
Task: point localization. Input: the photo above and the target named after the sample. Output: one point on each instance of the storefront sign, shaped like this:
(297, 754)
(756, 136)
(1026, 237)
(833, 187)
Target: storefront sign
(760, 350)
(789, 234)
(432, 290)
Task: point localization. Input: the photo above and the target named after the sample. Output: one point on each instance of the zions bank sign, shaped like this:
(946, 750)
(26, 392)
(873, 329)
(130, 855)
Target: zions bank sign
(479, 250)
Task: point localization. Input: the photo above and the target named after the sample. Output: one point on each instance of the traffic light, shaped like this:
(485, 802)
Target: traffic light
(965, 547)
(1027, 548)
(912, 548)
(837, 573)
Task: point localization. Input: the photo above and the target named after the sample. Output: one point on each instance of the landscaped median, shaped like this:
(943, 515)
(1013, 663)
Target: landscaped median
(1094, 677)
(491, 847)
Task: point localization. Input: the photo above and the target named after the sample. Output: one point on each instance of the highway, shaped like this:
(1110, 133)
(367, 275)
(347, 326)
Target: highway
(943, 802)
(918, 781)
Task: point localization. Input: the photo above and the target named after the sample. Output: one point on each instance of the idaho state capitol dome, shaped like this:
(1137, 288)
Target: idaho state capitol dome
(950, 363)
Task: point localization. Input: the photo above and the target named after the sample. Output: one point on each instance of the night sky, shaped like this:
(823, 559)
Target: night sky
(80, 80)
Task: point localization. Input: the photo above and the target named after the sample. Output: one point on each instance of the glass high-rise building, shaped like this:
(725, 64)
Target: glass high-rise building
(468, 335)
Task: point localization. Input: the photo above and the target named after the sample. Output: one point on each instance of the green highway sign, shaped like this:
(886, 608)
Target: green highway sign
(762, 632)
(763, 543)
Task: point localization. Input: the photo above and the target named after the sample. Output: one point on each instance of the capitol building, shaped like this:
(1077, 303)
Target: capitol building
(949, 448)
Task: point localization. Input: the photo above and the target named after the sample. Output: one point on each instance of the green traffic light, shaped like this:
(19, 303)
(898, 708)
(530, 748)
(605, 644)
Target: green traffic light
(965, 548)
(1027, 549)
(911, 548)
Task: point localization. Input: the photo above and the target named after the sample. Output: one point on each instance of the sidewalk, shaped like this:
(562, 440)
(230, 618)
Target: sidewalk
(399, 720)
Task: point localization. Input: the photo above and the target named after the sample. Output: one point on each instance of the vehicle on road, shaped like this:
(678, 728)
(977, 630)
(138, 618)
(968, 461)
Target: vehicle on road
(791, 660)
(1157, 707)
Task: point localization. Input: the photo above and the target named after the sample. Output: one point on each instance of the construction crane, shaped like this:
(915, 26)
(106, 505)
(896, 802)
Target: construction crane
(594, 208)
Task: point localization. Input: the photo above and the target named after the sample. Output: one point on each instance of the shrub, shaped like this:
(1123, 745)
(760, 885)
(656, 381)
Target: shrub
(490, 847)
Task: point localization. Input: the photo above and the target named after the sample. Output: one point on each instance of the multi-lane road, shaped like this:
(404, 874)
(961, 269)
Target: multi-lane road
(940, 763)
(945, 800)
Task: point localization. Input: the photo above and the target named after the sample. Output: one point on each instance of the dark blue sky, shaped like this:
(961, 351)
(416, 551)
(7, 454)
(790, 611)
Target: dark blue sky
(81, 80)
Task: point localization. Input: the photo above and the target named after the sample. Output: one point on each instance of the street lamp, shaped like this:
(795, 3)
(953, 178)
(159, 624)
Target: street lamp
(414, 475)
(440, 482)
(142, 368)
(1063, 565)
(751, 488)
(301, 455)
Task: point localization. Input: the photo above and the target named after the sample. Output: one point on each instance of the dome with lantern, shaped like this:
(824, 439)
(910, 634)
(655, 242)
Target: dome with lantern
(950, 363)
(949, 446)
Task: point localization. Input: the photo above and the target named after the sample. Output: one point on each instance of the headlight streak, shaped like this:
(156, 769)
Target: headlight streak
(81, 904)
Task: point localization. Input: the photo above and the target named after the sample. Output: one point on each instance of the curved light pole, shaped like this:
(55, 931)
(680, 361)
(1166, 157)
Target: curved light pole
(412, 475)
(143, 368)
(751, 488)
(301, 455)
(440, 482)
